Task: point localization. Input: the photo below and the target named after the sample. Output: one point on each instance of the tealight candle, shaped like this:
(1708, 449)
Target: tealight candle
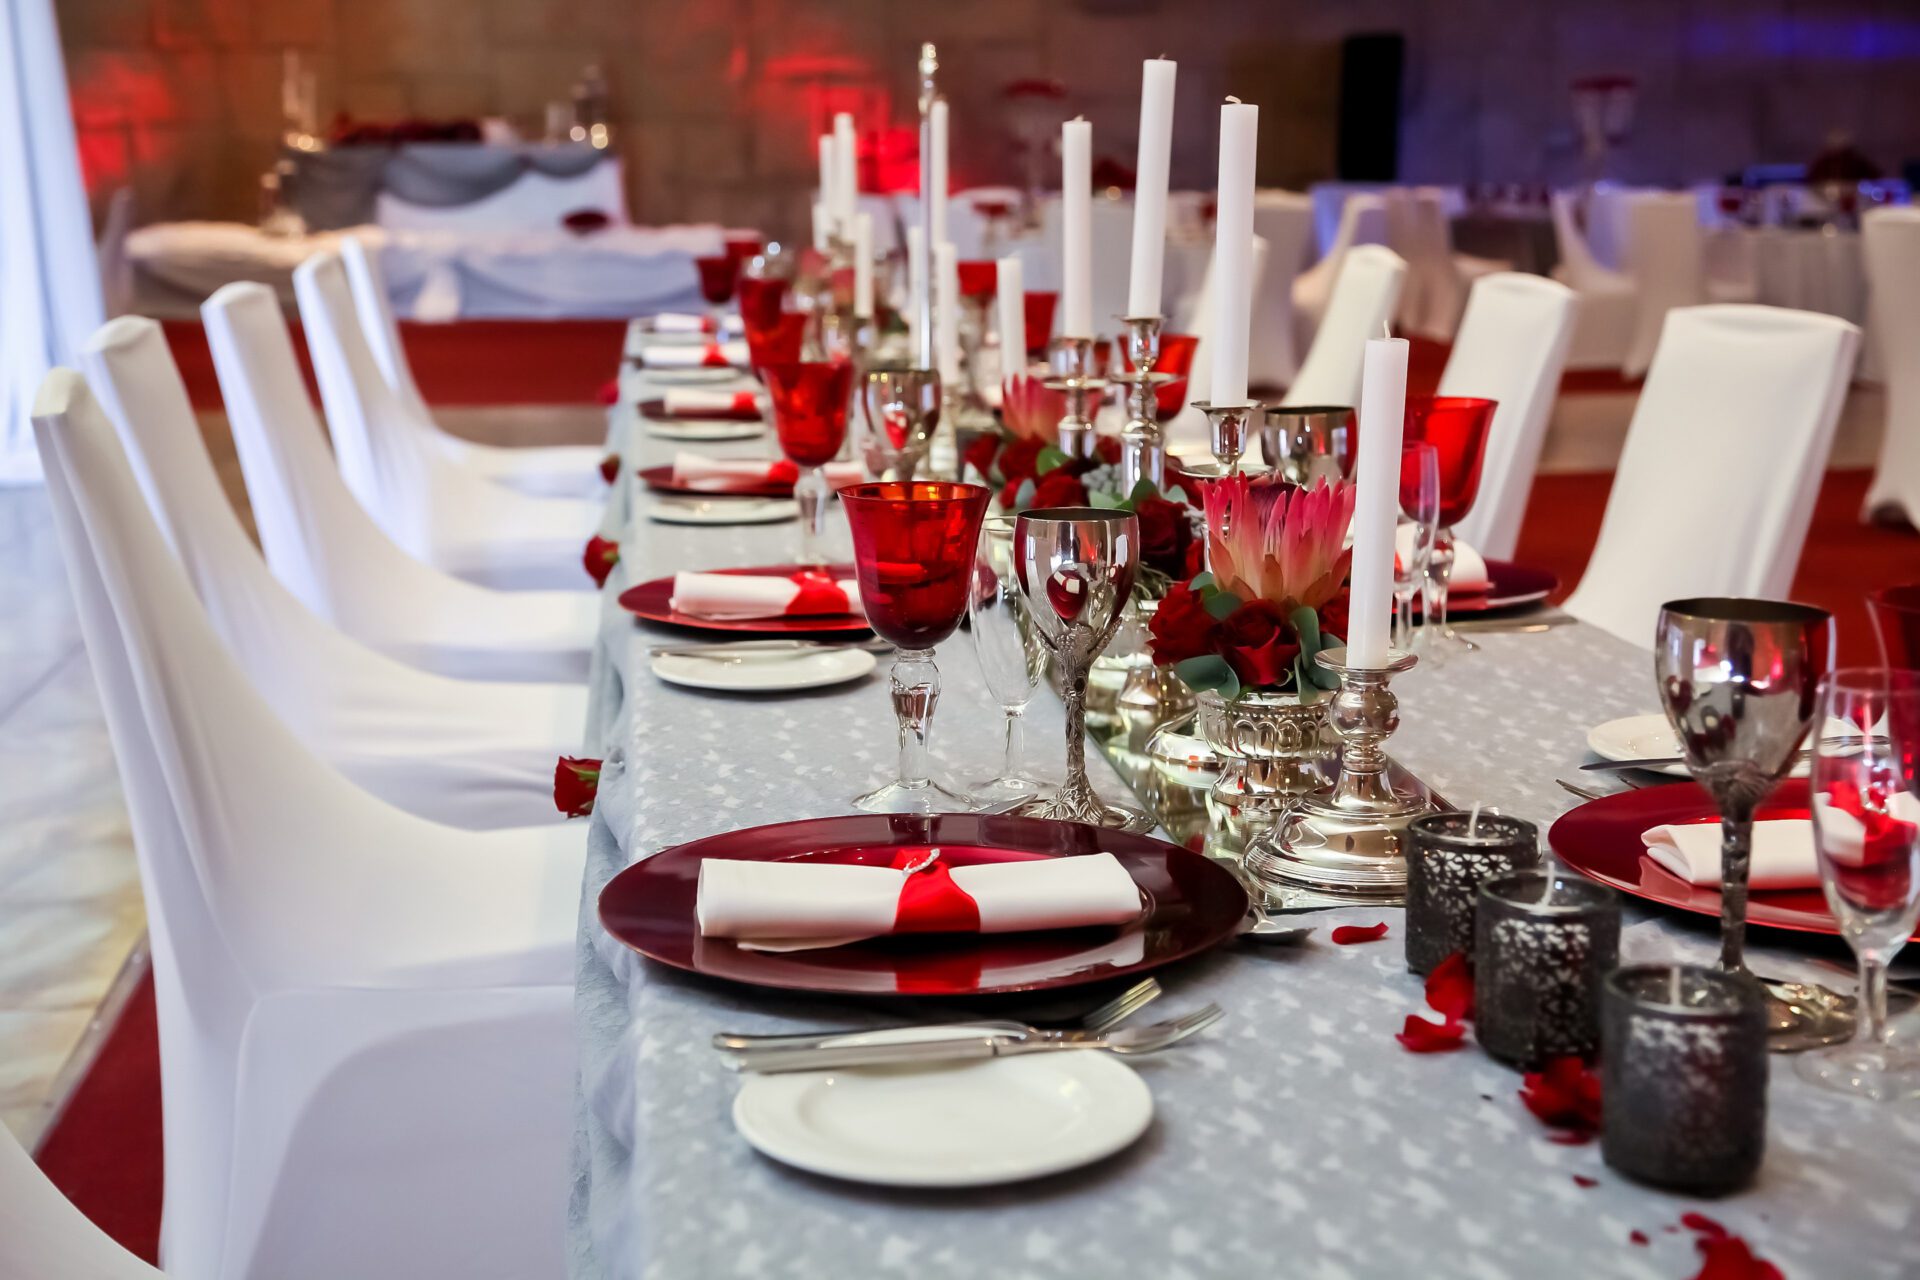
(1684, 1077)
(1542, 943)
(1449, 856)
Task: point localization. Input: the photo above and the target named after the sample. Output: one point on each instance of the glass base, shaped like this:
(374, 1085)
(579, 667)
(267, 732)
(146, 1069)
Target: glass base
(1103, 814)
(1438, 646)
(1876, 1072)
(1005, 789)
(929, 797)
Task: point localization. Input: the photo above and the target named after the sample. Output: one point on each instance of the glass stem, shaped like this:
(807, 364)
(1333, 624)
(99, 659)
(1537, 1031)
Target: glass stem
(1010, 760)
(811, 493)
(1872, 1000)
(1403, 618)
(1736, 854)
(1439, 579)
(916, 691)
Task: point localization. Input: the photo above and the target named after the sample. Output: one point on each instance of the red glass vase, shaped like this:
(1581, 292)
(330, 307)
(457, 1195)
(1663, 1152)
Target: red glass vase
(761, 300)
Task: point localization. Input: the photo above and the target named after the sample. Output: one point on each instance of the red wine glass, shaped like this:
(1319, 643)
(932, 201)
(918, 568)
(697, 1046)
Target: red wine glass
(1039, 308)
(810, 403)
(1456, 427)
(762, 299)
(913, 552)
(1896, 620)
(979, 281)
(1175, 358)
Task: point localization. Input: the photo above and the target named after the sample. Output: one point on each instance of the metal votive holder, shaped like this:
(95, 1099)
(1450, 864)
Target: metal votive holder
(1449, 856)
(1543, 942)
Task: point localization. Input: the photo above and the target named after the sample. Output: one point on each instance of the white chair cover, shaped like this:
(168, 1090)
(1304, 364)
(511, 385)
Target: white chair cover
(1186, 434)
(1284, 219)
(437, 510)
(329, 971)
(566, 470)
(42, 1234)
(1364, 298)
(1608, 303)
(466, 754)
(116, 268)
(1512, 348)
(1723, 460)
(1665, 255)
(1893, 281)
(330, 554)
(1363, 220)
(1437, 277)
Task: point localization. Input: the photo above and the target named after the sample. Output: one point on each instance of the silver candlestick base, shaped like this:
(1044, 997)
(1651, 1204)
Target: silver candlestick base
(1348, 842)
(1074, 375)
(1143, 455)
(1229, 427)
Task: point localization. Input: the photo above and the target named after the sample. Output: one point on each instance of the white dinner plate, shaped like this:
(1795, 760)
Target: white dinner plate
(1644, 737)
(691, 430)
(688, 509)
(961, 1124)
(766, 674)
(692, 375)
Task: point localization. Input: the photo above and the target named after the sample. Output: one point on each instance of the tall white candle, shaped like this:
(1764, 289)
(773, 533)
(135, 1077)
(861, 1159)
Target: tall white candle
(863, 265)
(1076, 229)
(946, 312)
(1150, 187)
(916, 286)
(1011, 288)
(845, 178)
(822, 225)
(1233, 252)
(1383, 410)
(938, 117)
(827, 167)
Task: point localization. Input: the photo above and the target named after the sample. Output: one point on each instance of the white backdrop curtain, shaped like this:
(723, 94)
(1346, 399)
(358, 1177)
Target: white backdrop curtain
(49, 277)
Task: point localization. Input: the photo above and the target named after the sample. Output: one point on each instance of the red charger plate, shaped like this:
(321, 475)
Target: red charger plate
(1510, 585)
(1601, 840)
(1189, 904)
(652, 601)
(661, 480)
(657, 410)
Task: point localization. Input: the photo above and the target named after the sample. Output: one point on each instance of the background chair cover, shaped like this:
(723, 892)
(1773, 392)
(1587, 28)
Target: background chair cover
(1893, 273)
(1363, 220)
(1608, 303)
(1364, 298)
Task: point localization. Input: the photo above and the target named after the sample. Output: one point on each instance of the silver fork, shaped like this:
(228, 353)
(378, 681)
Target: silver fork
(1128, 1041)
(1105, 1018)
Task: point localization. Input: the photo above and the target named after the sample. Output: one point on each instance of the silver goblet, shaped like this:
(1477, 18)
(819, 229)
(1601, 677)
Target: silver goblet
(1075, 567)
(902, 407)
(1738, 679)
(1308, 443)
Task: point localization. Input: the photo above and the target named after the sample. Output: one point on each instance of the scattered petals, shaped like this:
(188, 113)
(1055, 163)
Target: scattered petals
(1707, 1227)
(1725, 1256)
(609, 393)
(600, 557)
(1639, 1238)
(1583, 1181)
(1421, 1036)
(576, 784)
(1566, 1097)
(610, 468)
(1450, 988)
(1351, 933)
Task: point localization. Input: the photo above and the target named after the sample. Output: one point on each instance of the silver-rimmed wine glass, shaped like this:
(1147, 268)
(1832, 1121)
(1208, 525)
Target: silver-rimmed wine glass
(1738, 679)
(901, 405)
(1075, 567)
(1012, 659)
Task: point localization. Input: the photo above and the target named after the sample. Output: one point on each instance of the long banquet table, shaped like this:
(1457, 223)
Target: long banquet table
(1295, 1138)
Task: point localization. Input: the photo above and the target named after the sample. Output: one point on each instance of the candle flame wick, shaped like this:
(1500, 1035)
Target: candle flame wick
(1232, 99)
(1386, 329)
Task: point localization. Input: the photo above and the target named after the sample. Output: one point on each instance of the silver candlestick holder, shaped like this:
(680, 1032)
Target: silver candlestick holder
(1348, 842)
(1143, 455)
(1229, 428)
(1074, 376)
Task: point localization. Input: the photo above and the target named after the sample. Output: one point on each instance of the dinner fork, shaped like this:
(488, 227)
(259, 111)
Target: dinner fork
(1104, 1018)
(1127, 1041)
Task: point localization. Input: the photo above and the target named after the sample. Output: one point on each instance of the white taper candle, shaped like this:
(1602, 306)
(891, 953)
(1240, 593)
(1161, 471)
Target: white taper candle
(1150, 187)
(1376, 515)
(863, 265)
(1233, 252)
(1076, 229)
(938, 116)
(916, 286)
(1011, 289)
(946, 313)
(846, 180)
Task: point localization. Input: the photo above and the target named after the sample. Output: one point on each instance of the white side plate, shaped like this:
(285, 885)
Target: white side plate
(694, 430)
(1644, 737)
(691, 376)
(769, 673)
(694, 510)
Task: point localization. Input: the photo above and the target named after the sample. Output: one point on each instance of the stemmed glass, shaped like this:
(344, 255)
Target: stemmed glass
(1419, 520)
(762, 299)
(1011, 657)
(979, 281)
(913, 553)
(810, 403)
(902, 407)
(1075, 567)
(1896, 620)
(1456, 426)
(717, 277)
(1866, 829)
(1738, 680)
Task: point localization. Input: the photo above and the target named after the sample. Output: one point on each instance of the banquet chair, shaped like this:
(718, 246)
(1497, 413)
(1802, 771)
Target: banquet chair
(1511, 349)
(1284, 219)
(1363, 221)
(1606, 301)
(42, 1234)
(1665, 254)
(1891, 240)
(1438, 279)
(1364, 297)
(466, 754)
(365, 1053)
(564, 470)
(1723, 460)
(321, 543)
(436, 509)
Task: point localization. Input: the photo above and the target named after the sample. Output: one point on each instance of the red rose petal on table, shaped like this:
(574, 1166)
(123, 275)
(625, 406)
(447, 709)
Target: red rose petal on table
(576, 784)
(1637, 1237)
(1706, 1226)
(1348, 934)
(1566, 1096)
(1421, 1036)
(610, 468)
(609, 393)
(1582, 1180)
(1450, 988)
(1731, 1258)
(599, 558)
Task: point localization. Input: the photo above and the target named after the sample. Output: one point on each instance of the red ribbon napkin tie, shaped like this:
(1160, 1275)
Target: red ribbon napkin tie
(820, 594)
(930, 902)
(743, 402)
(714, 358)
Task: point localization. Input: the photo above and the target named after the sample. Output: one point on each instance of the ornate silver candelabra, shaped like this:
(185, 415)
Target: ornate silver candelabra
(1073, 363)
(1143, 454)
(1229, 428)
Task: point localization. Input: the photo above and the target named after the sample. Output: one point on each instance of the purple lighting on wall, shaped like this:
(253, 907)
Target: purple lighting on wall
(1807, 39)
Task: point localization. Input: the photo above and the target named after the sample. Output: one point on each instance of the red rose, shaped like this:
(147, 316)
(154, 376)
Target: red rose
(610, 468)
(1165, 535)
(1258, 645)
(1107, 449)
(1181, 628)
(1058, 489)
(609, 393)
(1018, 459)
(1333, 616)
(1196, 558)
(980, 453)
(576, 783)
(1010, 494)
(601, 555)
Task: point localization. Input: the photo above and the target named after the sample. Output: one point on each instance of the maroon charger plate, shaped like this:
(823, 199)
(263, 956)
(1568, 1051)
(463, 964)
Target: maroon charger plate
(661, 480)
(1510, 585)
(657, 410)
(1189, 904)
(1601, 840)
(652, 601)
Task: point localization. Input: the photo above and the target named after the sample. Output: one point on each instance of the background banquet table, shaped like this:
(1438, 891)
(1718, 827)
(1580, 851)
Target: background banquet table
(1297, 1130)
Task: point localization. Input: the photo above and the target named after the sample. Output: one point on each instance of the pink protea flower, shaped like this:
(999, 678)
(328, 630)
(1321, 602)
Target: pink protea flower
(1032, 412)
(1268, 540)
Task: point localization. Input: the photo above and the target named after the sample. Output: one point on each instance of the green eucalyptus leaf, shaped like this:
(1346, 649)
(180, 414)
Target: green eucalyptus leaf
(1143, 488)
(1220, 605)
(1106, 501)
(1306, 625)
(1203, 582)
(1049, 459)
(1023, 496)
(1209, 673)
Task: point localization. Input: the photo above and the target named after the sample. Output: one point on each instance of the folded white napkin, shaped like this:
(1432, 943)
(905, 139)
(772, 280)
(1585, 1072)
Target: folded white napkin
(695, 400)
(694, 355)
(682, 322)
(1783, 856)
(775, 903)
(1469, 567)
(723, 596)
(720, 475)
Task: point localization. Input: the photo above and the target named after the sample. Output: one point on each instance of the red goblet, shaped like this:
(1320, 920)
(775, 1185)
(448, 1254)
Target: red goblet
(810, 402)
(913, 552)
(1896, 620)
(776, 343)
(979, 281)
(717, 276)
(744, 246)
(1039, 308)
(1456, 427)
(761, 300)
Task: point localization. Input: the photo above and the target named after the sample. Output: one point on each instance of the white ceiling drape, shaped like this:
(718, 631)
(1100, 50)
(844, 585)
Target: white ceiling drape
(49, 277)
